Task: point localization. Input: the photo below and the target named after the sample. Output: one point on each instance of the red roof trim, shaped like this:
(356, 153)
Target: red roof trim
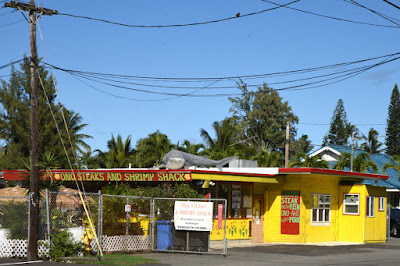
(331, 172)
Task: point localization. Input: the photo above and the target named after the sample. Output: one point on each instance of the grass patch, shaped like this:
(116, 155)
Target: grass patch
(117, 259)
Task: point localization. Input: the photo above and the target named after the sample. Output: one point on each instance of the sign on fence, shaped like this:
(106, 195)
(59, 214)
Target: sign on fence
(193, 216)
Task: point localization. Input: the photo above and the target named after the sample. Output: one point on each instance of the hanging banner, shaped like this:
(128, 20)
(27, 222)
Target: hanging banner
(193, 215)
(290, 212)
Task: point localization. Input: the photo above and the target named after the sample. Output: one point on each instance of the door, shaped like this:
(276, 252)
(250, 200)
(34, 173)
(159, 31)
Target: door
(258, 218)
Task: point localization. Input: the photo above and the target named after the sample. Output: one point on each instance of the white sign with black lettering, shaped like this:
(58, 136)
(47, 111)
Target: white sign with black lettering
(193, 216)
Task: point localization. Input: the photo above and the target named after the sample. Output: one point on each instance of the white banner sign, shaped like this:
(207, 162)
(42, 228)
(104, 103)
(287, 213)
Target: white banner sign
(193, 216)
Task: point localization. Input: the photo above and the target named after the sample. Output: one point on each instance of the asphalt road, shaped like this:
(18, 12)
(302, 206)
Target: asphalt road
(368, 254)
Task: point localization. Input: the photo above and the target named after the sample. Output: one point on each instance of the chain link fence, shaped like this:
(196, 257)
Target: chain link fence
(122, 224)
(125, 223)
(191, 233)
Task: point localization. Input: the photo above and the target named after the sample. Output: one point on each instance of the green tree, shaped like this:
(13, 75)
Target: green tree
(371, 144)
(302, 145)
(393, 164)
(361, 163)
(340, 129)
(151, 150)
(303, 160)
(269, 159)
(119, 153)
(392, 140)
(262, 116)
(88, 160)
(225, 133)
(191, 147)
(15, 120)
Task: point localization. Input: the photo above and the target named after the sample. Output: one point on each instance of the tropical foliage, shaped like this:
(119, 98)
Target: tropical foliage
(361, 163)
(151, 150)
(262, 116)
(371, 144)
(15, 120)
(118, 155)
(393, 164)
(303, 160)
(392, 140)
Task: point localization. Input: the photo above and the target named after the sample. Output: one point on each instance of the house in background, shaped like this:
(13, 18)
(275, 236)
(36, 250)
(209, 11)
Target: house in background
(332, 153)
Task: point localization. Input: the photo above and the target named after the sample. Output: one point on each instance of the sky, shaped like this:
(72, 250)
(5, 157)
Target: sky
(275, 41)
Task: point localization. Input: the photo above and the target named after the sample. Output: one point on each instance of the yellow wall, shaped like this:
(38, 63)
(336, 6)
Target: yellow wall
(348, 228)
(235, 229)
(359, 228)
(309, 232)
(375, 227)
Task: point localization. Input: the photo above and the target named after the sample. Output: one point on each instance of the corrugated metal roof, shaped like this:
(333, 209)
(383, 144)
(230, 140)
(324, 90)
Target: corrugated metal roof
(380, 160)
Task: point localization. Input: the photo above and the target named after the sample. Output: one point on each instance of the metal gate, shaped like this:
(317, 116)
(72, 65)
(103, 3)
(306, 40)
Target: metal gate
(124, 223)
(167, 238)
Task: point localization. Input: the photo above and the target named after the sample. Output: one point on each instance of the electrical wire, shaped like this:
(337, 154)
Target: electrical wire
(334, 18)
(242, 77)
(12, 23)
(180, 25)
(304, 86)
(12, 63)
(84, 200)
(390, 3)
(372, 11)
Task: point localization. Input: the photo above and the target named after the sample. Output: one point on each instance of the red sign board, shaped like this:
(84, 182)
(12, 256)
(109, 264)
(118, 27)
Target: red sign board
(220, 208)
(105, 175)
(290, 212)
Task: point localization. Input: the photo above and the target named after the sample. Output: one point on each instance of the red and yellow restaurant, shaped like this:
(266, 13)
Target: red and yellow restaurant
(274, 205)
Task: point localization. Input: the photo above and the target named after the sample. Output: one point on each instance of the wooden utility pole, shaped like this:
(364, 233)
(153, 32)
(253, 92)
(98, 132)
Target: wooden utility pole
(33, 10)
(287, 145)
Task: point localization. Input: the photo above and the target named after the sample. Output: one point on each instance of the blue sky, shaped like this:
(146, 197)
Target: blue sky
(279, 40)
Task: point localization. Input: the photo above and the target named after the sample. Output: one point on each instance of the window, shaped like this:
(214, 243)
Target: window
(370, 206)
(321, 208)
(351, 204)
(381, 204)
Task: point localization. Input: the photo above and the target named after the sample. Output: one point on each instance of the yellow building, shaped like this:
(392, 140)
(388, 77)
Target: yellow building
(293, 205)
(298, 205)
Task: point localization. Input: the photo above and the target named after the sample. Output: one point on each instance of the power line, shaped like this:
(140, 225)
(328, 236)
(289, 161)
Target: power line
(305, 86)
(180, 25)
(390, 3)
(12, 23)
(242, 77)
(372, 11)
(334, 18)
(324, 124)
(12, 63)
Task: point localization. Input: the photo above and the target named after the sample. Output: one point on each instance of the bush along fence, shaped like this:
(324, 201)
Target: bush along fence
(122, 224)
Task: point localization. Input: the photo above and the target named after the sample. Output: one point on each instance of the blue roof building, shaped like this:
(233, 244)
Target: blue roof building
(332, 153)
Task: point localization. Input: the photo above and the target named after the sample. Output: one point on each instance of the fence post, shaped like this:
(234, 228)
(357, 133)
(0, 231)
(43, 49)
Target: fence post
(225, 240)
(100, 221)
(29, 218)
(48, 219)
(152, 222)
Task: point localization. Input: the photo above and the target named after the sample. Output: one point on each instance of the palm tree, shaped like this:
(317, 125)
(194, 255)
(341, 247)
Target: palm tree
(393, 164)
(371, 144)
(151, 150)
(191, 147)
(88, 160)
(225, 135)
(74, 123)
(362, 163)
(119, 153)
(303, 160)
(269, 159)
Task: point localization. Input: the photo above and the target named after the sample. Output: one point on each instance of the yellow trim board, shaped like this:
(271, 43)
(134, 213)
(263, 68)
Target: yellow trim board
(234, 178)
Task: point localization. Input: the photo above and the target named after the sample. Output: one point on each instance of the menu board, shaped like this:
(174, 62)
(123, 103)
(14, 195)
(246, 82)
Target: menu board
(290, 212)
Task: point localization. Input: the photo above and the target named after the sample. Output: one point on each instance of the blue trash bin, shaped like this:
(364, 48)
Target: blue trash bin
(164, 235)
